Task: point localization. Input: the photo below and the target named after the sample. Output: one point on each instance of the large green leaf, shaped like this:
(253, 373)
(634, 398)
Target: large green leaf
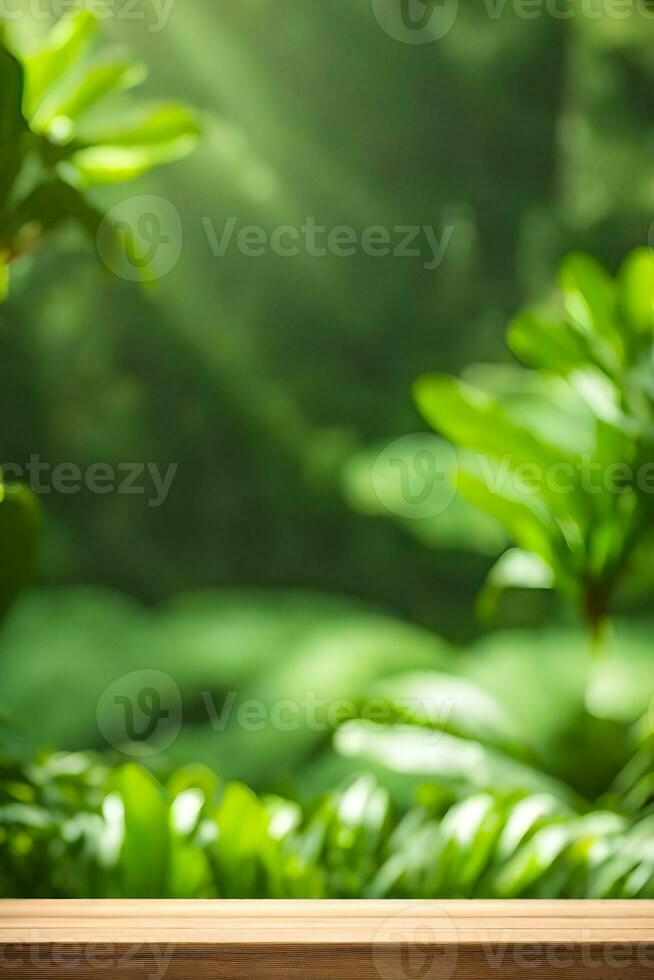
(589, 295)
(116, 164)
(442, 758)
(12, 122)
(524, 516)
(473, 419)
(59, 111)
(57, 55)
(542, 341)
(4, 276)
(539, 864)
(241, 843)
(143, 862)
(546, 404)
(161, 123)
(636, 291)
(449, 703)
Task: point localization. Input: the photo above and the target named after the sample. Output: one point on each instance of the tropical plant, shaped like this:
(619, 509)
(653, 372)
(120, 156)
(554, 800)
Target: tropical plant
(69, 827)
(556, 454)
(54, 145)
(561, 453)
(57, 140)
(490, 776)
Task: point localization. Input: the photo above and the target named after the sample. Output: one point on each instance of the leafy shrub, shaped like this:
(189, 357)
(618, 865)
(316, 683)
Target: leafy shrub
(55, 144)
(500, 782)
(71, 827)
(584, 412)
(554, 457)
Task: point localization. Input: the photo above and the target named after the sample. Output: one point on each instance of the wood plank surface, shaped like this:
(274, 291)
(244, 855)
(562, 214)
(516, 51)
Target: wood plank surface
(335, 940)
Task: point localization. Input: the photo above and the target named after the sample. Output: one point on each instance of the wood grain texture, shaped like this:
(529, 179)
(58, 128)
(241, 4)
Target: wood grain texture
(388, 940)
(326, 962)
(297, 922)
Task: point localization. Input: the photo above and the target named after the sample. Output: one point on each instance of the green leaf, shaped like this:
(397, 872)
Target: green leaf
(4, 278)
(524, 516)
(161, 123)
(118, 164)
(12, 122)
(470, 830)
(544, 342)
(52, 61)
(189, 873)
(242, 842)
(448, 703)
(157, 135)
(442, 758)
(143, 862)
(546, 405)
(473, 419)
(57, 112)
(534, 860)
(589, 296)
(636, 291)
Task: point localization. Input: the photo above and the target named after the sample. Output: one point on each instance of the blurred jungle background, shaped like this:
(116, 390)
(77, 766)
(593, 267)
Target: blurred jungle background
(276, 569)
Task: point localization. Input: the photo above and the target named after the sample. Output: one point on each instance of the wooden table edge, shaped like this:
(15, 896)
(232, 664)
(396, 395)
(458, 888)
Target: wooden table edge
(297, 923)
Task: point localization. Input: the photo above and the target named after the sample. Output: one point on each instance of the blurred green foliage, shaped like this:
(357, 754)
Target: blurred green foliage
(562, 455)
(69, 827)
(543, 699)
(20, 522)
(524, 766)
(519, 768)
(54, 145)
(262, 376)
